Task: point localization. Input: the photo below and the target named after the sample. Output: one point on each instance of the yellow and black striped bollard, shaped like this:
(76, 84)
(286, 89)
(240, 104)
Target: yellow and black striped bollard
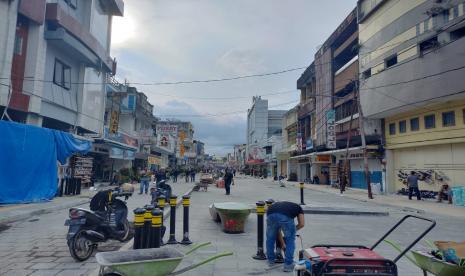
(138, 227)
(185, 232)
(155, 240)
(147, 226)
(173, 202)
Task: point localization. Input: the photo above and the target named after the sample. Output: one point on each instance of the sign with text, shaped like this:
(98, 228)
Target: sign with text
(331, 129)
(167, 129)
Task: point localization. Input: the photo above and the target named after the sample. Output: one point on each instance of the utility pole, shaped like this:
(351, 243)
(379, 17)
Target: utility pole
(349, 136)
(364, 143)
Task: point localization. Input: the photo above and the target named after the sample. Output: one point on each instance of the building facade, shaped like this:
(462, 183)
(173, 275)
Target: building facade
(328, 136)
(262, 124)
(57, 59)
(411, 62)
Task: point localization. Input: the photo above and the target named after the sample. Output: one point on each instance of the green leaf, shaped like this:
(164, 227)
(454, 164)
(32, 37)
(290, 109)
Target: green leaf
(398, 248)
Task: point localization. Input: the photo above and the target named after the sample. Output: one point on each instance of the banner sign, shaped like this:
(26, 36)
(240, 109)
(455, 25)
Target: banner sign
(331, 129)
(114, 121)
(121, 138)
(167, 130)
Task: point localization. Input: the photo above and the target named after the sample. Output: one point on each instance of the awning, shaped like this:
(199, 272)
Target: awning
(115, 143)
(330, 152)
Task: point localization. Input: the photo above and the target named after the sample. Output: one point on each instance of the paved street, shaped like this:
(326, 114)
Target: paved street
(37, 245)
(363, 230)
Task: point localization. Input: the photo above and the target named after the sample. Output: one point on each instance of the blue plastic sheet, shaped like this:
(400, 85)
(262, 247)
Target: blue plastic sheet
(28, 161)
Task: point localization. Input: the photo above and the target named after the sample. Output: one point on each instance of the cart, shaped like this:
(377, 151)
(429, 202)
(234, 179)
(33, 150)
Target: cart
(428, 263)
(325, 260)
(149, 262)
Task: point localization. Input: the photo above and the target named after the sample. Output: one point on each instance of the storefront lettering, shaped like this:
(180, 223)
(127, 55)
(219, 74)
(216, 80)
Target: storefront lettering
(331, 129)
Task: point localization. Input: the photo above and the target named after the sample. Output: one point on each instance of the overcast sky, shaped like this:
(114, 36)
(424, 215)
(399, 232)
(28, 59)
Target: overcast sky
(182, 40)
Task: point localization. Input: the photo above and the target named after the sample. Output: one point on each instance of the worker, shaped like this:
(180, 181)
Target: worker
(280, 216)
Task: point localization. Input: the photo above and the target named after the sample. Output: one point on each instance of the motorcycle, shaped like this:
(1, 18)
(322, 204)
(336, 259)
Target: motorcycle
(160, 188)
(106, 219)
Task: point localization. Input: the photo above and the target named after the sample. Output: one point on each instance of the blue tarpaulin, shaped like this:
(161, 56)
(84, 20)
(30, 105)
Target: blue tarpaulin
(28, 161)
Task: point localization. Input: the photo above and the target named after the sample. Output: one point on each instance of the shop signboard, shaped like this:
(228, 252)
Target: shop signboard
(323, 158)
(167, 129)
(129, 155)
(114, 121)
(154, 160)
(331, 129)
(116, 153)
(121, 138)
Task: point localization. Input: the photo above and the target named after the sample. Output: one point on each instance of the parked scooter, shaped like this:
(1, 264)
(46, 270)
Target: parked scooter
(161, 188)
(106, 219)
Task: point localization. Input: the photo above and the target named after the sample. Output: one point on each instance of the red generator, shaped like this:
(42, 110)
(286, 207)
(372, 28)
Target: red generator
(353, 260)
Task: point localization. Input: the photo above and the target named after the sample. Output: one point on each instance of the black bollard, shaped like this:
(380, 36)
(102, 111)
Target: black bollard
(161, 205)
(147, 226)
(155, 240)
(302, 193)
(279, 246)
(138, 227)
(172, 239)
(185, 232)
(260, 213)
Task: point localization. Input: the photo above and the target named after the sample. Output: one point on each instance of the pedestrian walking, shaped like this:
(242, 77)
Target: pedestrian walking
(280, 217)
(228, 178)
(193, 175)
(412, 182)
(175, 175)
(144, 181)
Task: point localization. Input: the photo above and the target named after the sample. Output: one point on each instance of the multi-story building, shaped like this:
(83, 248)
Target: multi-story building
(240, 156)
(55, 60)
(286, 164)
(412, 56)
(328, 117)
(261, 125)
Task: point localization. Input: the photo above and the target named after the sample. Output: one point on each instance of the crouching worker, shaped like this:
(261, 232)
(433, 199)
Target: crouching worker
(280, 216)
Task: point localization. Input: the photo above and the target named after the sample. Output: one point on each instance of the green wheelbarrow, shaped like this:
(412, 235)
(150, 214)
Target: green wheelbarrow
(149, 262)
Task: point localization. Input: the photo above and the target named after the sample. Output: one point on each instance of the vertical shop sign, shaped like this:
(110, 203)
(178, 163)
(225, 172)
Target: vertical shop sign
(331, 129)
(114, 121)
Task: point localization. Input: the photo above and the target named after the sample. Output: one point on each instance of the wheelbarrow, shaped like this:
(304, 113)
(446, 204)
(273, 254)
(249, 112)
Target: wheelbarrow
(149, 262)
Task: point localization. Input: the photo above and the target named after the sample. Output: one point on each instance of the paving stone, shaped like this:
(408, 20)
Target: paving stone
(46, 272)
(43, 260)
(19, 265)
(18, 272)
(44, 265)
(64, 260)
(72, 272)
(72, 265)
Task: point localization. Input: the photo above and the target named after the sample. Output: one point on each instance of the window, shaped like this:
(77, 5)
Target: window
(391, 61)
(402, 126)
(392, 129)
(457, 34)
(430, 121)
(62, 75)
(367, 74)
(448, 119)
(18, 45)
(414, 124)
(428, 44)
(72, 3)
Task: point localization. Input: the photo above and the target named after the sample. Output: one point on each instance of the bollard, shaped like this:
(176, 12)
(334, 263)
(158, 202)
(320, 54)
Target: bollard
(138, 227)
(269, 202)
(147, 225)
(185, 232)
(302, 193)
(155, 240)
(260, 212)
(172, 239)
(161, 205)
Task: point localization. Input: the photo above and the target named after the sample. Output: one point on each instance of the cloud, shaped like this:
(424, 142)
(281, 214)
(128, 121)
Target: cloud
(218, 136)
(204, 39)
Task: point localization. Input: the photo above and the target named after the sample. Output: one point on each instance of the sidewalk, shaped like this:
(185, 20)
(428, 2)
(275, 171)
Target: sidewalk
(426, 205)
(14, 212)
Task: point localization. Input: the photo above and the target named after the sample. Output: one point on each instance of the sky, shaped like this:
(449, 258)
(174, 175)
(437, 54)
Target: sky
(184, 40)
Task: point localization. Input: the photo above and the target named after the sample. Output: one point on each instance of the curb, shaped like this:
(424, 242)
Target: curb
(15, 218)
(336, 211)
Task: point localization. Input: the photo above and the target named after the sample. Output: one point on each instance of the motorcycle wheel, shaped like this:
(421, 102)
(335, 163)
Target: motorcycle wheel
(129, 232)
(80, 247)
